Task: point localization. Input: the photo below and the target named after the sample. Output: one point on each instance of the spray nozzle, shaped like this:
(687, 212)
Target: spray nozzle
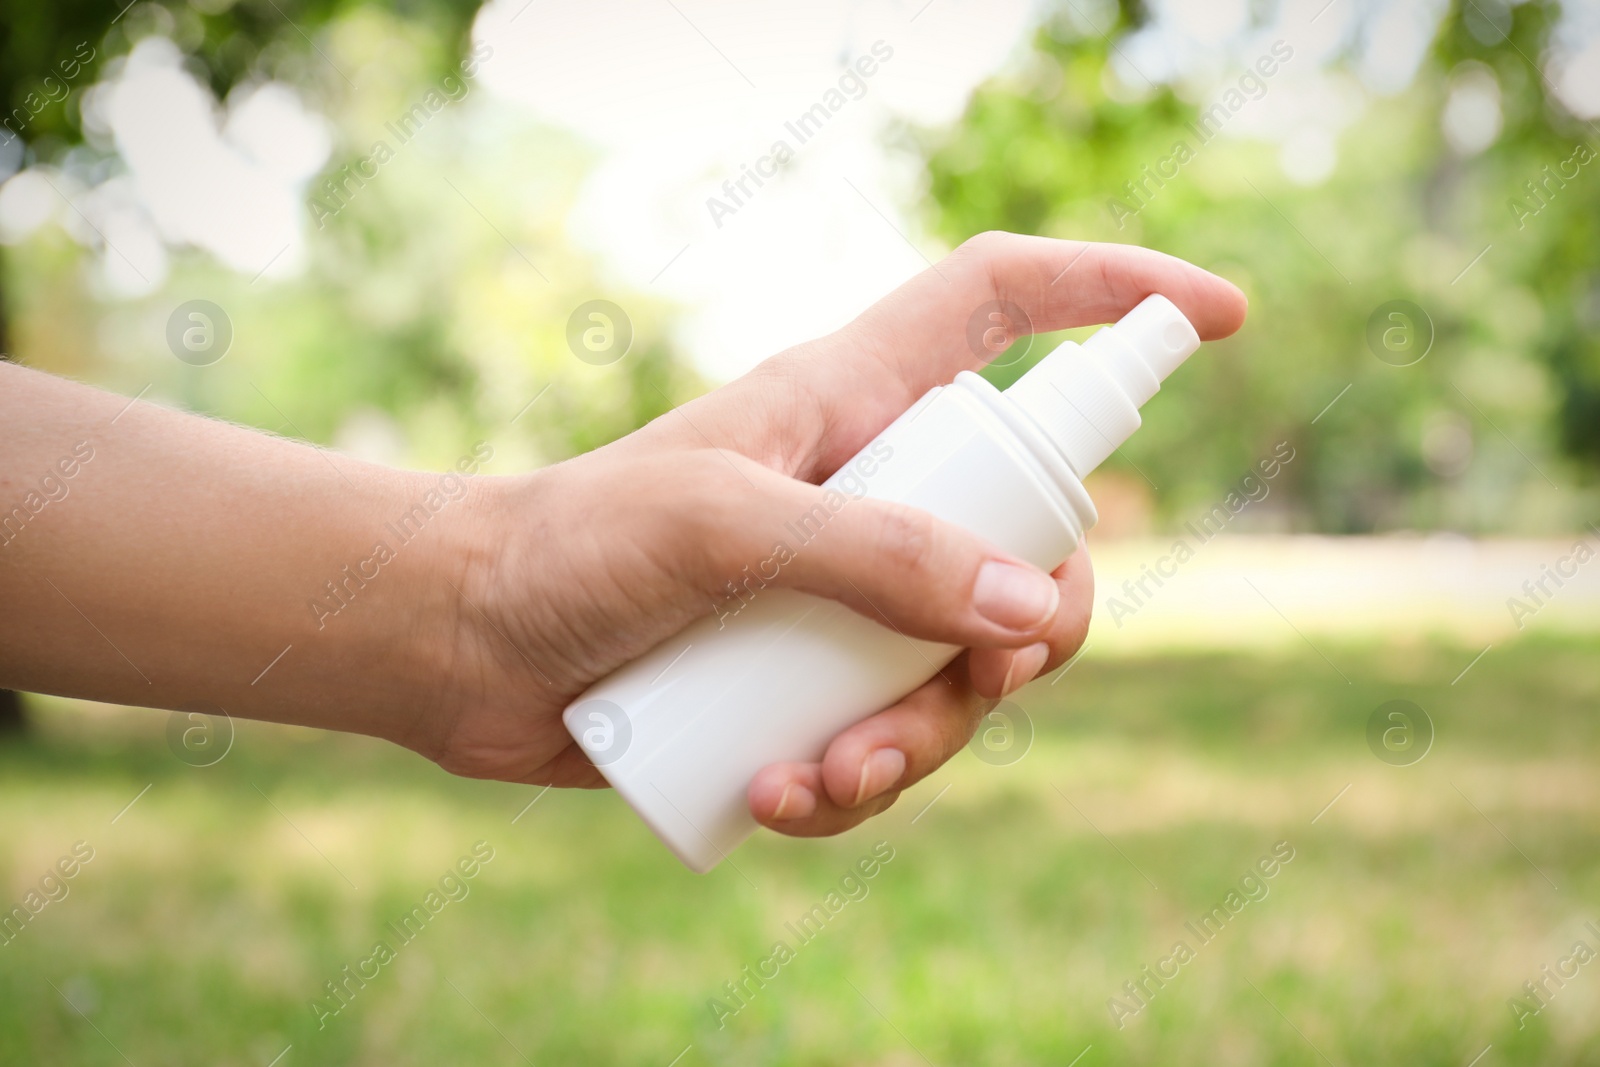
(1155, 333)
(1087, 399)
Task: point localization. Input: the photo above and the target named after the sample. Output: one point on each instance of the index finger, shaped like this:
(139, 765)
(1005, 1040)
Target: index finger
(917, 336)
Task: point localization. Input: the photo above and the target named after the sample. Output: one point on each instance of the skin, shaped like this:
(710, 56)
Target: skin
(185, 554)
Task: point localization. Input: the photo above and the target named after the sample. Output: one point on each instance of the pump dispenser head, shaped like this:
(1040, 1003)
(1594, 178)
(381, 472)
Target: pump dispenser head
(1087, 398)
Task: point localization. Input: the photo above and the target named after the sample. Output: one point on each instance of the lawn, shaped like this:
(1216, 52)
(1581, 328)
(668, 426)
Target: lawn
(996, 924)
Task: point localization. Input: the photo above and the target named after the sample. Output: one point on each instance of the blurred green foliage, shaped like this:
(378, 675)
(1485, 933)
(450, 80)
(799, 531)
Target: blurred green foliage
(434, 305)
(233, 41)
(1515, 362)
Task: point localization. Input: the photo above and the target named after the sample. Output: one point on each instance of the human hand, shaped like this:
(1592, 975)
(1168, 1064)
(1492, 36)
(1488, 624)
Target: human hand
(583, 566)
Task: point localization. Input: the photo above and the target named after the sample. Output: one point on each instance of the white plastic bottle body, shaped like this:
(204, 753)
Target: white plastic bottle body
(681, 731)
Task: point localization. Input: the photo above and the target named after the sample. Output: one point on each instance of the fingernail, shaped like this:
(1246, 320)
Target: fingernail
(879, 771)
(1025, 666)
(797, 802)
(1017, 598)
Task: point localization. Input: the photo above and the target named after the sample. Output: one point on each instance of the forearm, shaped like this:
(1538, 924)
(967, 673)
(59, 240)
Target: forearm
(161, 559)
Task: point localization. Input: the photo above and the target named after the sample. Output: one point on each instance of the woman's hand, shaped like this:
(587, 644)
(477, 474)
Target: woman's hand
(154, 558)
(590, 563)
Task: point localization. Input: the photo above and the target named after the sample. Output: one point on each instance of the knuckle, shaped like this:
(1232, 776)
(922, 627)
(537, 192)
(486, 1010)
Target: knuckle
(1071, 631)
(908, 540)
(1077, 606)
(705, 501)
(880, 805)
(1073, 638)
(985, 245)
(979, 259)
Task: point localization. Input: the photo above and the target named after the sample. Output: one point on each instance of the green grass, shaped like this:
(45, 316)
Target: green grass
(1013, 909)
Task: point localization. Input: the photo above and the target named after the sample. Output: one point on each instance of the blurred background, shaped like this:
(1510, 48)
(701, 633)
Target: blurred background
(373, 226)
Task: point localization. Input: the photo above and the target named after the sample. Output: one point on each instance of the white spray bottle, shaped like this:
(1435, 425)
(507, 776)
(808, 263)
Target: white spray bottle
(681, 731)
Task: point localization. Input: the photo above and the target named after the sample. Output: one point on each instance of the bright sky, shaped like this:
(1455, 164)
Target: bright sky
(682, 102)
(680, 96)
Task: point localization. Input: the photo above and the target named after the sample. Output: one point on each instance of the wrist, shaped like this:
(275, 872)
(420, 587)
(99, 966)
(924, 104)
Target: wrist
(429, 627)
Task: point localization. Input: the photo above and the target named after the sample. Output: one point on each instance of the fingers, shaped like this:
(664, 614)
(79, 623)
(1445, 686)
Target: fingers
(998, 672)
(897, 565)
(919, 336)
(924, 730)
(926, 578)
(919, 331)
(808, 410)
(790, 798)
(867, 766)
